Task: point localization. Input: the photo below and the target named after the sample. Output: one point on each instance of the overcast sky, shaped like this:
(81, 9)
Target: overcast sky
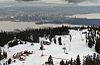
(80, 2)
(74, 1)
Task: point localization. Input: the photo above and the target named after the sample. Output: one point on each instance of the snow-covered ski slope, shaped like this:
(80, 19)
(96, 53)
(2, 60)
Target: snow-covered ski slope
(73, 48)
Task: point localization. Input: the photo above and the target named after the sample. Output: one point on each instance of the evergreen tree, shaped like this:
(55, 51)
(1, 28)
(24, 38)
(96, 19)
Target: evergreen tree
(94, 59)
(78, 62)
(0, 50)
(5, 54)
(89, 61)
(93, 40)
(50, 38)
(71, 62)
(90, 44)
(50, 60)
(66, 62)
(74, 62)
(97, 58)
(9, 61)
(54, 40)
(0, 54)
(59, 40)
(62, 62)
(97, 46)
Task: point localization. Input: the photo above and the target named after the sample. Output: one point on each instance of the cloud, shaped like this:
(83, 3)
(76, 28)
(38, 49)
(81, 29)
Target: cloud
(70, 1)
(6, 0)
(78, 1)
(74, 1)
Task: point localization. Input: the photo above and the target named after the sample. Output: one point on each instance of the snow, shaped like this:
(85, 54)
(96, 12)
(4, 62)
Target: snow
(73, 48)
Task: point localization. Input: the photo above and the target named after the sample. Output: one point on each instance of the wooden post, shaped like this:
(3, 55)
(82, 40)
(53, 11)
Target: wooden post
(42, 53)
(64, 48)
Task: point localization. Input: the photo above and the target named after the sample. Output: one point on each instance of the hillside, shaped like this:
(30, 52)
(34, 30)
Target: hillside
(73, 48)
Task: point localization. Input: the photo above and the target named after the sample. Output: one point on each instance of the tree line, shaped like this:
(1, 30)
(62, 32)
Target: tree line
(32, 35)
(87, 60)
(93, 38)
